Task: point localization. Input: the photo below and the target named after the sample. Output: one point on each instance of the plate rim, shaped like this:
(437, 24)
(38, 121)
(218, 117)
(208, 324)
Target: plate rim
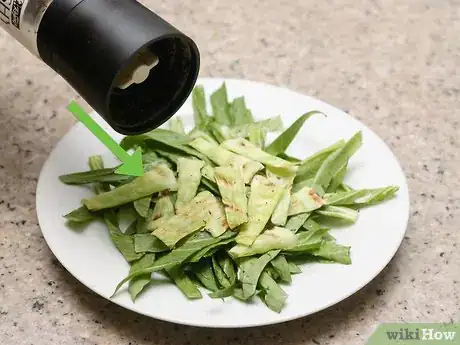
(403, 188)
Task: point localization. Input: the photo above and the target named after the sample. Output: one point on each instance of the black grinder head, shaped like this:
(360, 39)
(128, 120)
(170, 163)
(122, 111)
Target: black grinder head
(92, 43)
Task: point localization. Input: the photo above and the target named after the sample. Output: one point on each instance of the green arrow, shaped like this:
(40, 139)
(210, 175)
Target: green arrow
(132, 165)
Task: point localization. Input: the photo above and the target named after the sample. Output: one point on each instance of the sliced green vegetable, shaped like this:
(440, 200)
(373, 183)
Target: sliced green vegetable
(208, 173)
(231, 187)
(307, 241)
(184, 283)
(288, 158)
(200, 113)
(262, 202)
(163, 207)
(158, 135)
(221, 278)
(281, 265)
(310, 166)
(311, 225)
(131, 230)
(220, 106)
(222, 293)
(158, 179)
(243, 147)
(333, 163)
(251, 269)
(81, 216)
(340, 212)
(138, 284)
(188, 181)
(293, 268)
(295, 223)
(142, 206)
(239, 113)
(102, 175)
(213, 247)
(147, 243)
(176, 125)
(227, 266)
(203, 271)
(280, 214)
(337, 180)
(304, 201)
(276, 238)
(330, 250)
(273, 295)
(123, 242)
(257, 137)
(361, 197)
(282, 142)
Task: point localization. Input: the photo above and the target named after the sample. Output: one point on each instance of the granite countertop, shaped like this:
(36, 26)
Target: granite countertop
(392, 64)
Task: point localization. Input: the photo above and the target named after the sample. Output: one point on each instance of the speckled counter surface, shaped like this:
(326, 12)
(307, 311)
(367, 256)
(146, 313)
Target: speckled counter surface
(392, 64)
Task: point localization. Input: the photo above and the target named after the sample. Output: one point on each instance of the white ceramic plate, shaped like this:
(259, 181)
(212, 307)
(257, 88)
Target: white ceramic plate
(91, 257)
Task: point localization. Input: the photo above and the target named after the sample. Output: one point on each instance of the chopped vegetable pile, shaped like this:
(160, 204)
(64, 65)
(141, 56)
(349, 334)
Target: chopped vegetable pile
(218, 208)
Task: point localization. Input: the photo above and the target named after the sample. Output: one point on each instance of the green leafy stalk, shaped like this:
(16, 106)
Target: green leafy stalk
(158, 179)
(282, 142)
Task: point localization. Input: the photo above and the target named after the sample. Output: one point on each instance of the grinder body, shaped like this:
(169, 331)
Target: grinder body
(135, 69)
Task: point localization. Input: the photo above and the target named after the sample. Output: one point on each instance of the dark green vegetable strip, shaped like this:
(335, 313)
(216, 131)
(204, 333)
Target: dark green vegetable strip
(295, 223)
(158, 179)
(184, 283)
(273, 295)
(333, 163)
(222, 293)
(102, 175)
(200, 114)
(203, 271)
(204, 251)
(361, 197)
(147, 243)
(330, 250)
(139, 283)
(221, 278)
(311, 165)
(227, 266)
(280, 144)
(282, 267)
(252, 269)
(176, 256)
(220, 106)
(81, 215)
(164, 136)
(123, 242)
